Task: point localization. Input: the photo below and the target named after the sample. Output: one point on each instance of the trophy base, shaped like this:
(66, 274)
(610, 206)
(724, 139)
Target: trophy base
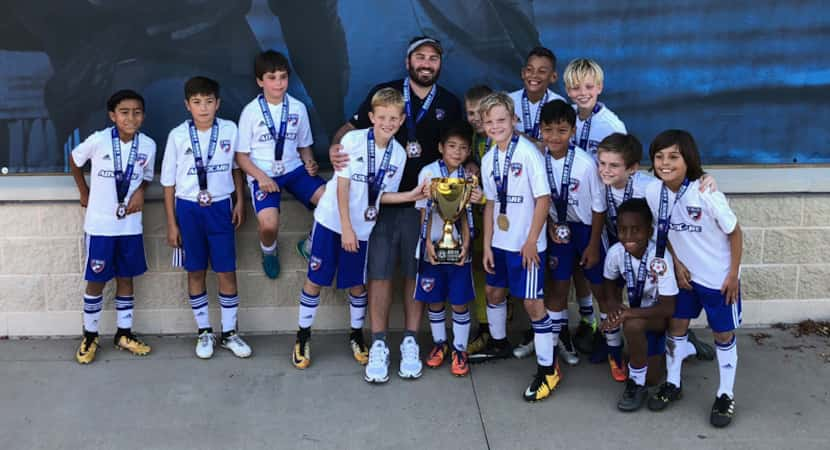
(447, 255)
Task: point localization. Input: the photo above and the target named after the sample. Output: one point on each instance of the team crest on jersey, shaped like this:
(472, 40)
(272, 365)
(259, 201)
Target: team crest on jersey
(141, 159)
(574, 184)
(427, 284)
(97, 265)
(553, 262)
(261, 195)
(390, 172)
(225, 145)
(293, 119)
(516, 168)
(314, 263)
(694, 212)
(440, 114)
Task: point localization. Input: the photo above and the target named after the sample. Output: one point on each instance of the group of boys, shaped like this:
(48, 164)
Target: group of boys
(556, 180)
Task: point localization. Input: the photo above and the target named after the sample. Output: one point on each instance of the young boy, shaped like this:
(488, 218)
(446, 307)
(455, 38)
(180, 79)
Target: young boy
(345, 218)
(651, 299)
(583, 84)
(275, 151)
(576, 222)
(518, 198)
(122, 160)
(437, 283)
(472, 100)
(538, 74)
(199, 177)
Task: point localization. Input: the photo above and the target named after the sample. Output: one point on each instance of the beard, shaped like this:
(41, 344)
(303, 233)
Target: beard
(423, 80)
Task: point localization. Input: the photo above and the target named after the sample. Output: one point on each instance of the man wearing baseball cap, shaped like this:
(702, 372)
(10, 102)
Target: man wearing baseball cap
(430, 109)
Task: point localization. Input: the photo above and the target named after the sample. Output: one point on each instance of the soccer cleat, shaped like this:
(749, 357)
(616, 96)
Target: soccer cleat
(377, 370)
(566, 349)
(304, 248)
(632, 397)
(301, 356)
(358, 346)
(584, 337)
(722, 411)
(527, 347)
(271, 264)
(236, 345)
(618, 372)
(666, 394)
(88, 348)
(129, 342)
(495, 349)
(205, 344)
(543, 384)
(459, 367)
(437, 354)
(704, 351)
(480, 340)
(411, 366)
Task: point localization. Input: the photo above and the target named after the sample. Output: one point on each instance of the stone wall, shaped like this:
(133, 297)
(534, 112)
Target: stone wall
(785, 274)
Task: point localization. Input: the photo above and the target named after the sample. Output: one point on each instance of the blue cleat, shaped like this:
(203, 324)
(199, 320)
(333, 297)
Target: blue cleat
(271, 264)
(304, 248)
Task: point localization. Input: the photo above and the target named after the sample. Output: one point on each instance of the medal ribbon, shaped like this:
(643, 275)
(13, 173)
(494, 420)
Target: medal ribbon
(586, 128)
(612, 208)
(123, 177)
(664, 216)
(411, 120)
(635, 287)
(501, 180)
(560, 196)
(279, 137)
(375, 181)
(201, 165)
(531, 128)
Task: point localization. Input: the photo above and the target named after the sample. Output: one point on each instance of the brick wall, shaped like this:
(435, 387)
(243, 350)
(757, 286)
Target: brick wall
(785, 275)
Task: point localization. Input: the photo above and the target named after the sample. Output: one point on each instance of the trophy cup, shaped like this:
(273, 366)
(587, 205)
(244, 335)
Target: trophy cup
(450, 197)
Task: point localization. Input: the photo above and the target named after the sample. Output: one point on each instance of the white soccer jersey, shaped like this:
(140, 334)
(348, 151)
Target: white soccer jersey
(178, 168)
(100, 217)
(586, 193)
(533, 108)
(433, 170)
(655, 285)
(354, 143)
(603, 124)
(698, 229)
(527, 181)
(254, 137)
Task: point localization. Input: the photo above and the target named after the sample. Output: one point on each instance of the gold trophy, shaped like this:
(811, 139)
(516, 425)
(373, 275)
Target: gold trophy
(450, 197)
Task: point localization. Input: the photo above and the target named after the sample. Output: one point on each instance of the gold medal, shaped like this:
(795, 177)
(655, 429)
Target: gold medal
(503, 222)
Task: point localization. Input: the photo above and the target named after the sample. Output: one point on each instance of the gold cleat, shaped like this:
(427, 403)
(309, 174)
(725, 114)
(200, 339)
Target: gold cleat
(132, 344)
(543, 385)
(301, 356)
(86, 352)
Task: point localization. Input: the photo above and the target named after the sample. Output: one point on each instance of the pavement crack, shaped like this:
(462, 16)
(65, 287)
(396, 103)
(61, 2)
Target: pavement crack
(478, 407)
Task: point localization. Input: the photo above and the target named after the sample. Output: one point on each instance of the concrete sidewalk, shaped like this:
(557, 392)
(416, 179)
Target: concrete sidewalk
(171, 400)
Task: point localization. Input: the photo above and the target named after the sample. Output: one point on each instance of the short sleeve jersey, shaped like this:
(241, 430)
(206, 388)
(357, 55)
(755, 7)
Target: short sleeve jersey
(444, 111)
(603, 124)
(354, 143)
(654, 285)
(698, 231)
(256, 139)
(586, 191)
(178, 168)
(526, 182)
(533, 108)
(100, 217)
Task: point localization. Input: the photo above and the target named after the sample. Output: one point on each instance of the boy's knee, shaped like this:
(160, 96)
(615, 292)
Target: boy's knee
(724, 337)
(460, 309)
(634, 327)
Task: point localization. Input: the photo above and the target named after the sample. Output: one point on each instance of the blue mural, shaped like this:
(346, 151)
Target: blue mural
(748, 78)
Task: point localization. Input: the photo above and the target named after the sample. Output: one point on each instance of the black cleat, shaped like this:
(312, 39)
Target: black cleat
(722, 411)
(665, 395)
(495, 349)
(633, 397)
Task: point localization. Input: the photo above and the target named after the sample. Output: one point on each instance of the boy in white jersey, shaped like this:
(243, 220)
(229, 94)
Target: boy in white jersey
(199, 176)
(707, 240)
(518, 198)
(122, 160)
(437, 283)
(583, 84)
(651, 299)
(344, 220)
(275, 151)
(538, 74)
(575, 225)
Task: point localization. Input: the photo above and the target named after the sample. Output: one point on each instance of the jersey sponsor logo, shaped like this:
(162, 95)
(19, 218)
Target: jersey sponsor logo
(214, 168)
(427, 284)
(440, 114)
(574, 184)
(111, 174)
(515, 199)
(694, 212)
(359, 177)
(261, 195)
(225, 144)
(685, 227)
(516, 168)
(314, 263)
(97, 265)
(141, 159)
